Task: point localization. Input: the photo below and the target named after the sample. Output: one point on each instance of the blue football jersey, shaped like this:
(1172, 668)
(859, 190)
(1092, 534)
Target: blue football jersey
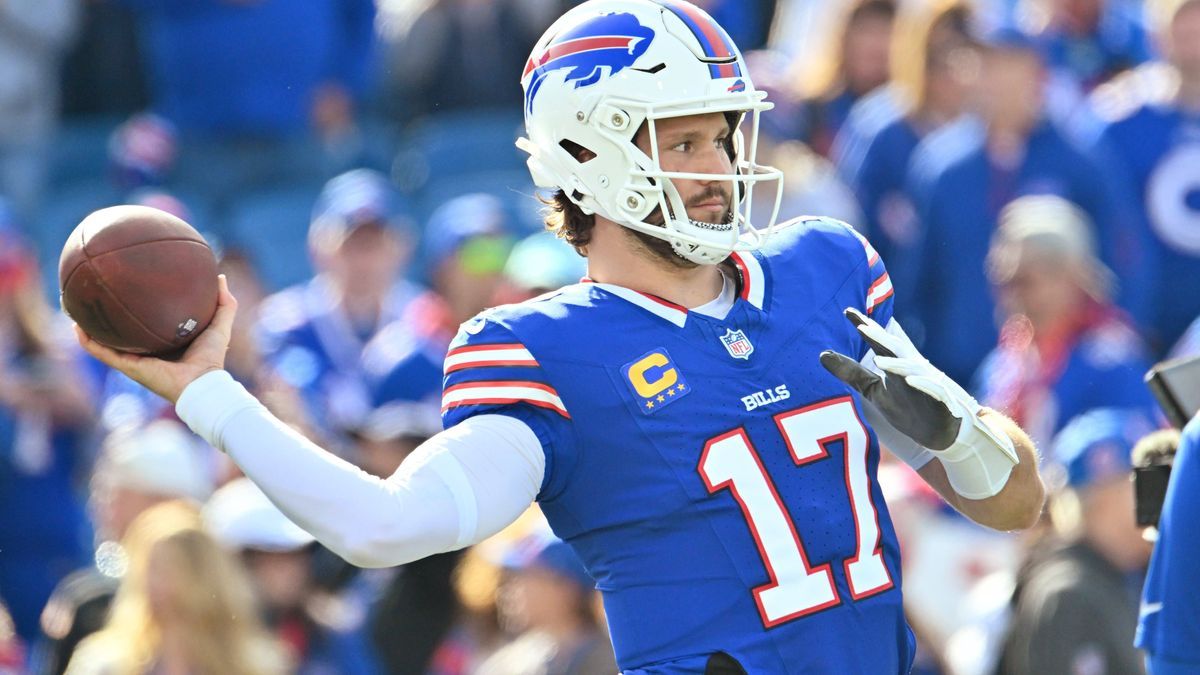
(717, 482)
(959, 192)
(308, 341)
(1169, 622)
(1157, 145)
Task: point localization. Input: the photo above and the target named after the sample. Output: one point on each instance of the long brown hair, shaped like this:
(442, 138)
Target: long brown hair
(568, 222)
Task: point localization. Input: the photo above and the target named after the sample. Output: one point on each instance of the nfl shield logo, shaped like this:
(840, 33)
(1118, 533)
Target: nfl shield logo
(737, 344)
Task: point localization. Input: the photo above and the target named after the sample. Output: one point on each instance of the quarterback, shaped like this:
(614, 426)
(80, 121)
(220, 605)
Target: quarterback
(701, 419)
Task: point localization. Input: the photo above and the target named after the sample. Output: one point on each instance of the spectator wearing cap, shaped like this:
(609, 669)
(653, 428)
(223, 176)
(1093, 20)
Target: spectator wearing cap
(1149, 121)
(278, 556)
(142, 152)
(138, 468)
(1075, 607)
(313, 335)
(467, 242)
(467, 245)
(962, 175)
(1064, 348)
(547, 599)
(1168, 629)
(46, 417)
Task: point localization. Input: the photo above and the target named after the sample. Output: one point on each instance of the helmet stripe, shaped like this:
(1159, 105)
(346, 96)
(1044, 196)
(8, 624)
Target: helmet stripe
(713, 39)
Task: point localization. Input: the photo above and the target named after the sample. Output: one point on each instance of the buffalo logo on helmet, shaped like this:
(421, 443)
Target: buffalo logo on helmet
(601, 47)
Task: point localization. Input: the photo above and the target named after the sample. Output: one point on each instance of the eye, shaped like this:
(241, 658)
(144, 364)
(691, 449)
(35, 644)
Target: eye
(684, 146)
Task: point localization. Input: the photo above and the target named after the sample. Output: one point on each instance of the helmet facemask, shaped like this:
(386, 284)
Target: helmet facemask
(607, 69)
(649, 189)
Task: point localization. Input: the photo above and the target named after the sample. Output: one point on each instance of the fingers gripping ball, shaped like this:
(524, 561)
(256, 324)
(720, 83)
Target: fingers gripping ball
(138, 280)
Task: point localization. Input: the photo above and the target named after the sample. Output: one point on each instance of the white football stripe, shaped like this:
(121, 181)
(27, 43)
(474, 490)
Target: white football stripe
(475, 357)
(469, 395)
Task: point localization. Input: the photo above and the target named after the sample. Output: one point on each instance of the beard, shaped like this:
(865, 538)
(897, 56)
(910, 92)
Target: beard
(661, 249)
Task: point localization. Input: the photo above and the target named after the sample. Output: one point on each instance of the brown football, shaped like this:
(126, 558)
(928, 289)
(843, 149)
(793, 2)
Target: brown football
(138, 280)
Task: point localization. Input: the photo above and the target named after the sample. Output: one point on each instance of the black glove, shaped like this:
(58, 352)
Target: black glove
(913, 410)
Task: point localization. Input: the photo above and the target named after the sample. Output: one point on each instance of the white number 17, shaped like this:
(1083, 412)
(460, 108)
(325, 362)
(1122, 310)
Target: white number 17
(797, 588)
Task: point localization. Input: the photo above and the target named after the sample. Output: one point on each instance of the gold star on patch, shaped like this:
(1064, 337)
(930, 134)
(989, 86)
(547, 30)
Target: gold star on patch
(649, 404)
(670, 392)
(680, 387)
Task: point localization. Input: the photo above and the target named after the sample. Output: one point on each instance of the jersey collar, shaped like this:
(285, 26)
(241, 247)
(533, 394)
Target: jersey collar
(753, 287)
(754, 284)
(676, 314)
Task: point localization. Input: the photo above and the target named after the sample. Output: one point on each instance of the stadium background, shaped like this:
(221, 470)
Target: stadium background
(236, 113)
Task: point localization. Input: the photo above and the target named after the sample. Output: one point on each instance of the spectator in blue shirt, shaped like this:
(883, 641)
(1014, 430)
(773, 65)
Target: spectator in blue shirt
(313, 335)
(1150, 121)
(1087, 42)
(46, 415)
(933, 63)
(962, 175)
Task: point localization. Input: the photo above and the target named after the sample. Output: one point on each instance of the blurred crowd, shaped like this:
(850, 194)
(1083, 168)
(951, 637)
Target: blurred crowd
(1028, 169)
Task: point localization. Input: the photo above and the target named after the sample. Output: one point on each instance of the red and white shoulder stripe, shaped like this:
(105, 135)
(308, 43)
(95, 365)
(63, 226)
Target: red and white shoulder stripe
(510, 355)
(872, 254)
(880, 290)
(503, 392)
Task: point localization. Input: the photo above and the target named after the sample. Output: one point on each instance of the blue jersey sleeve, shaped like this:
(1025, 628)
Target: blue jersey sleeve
(847, 255)
(488, 370)
(878, 297)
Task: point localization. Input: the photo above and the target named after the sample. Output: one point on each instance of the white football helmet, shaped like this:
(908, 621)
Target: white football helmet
(603, 70)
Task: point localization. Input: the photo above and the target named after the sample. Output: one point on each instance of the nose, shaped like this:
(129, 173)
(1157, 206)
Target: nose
(715, 161)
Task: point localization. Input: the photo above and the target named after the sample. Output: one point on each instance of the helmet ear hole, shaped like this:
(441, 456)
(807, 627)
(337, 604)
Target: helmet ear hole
(579, 152)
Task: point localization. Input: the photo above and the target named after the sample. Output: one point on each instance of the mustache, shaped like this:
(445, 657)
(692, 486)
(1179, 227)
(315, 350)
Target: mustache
(711, 192)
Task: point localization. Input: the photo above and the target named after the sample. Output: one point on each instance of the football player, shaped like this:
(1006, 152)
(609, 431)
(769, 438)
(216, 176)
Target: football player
(693, 418)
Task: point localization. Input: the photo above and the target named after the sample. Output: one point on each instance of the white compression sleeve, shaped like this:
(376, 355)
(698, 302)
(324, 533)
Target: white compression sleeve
(982, 458)
(458, 488)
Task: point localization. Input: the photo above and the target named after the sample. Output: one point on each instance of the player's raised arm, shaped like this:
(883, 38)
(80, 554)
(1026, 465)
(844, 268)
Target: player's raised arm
(987, 466)
(458, 488)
